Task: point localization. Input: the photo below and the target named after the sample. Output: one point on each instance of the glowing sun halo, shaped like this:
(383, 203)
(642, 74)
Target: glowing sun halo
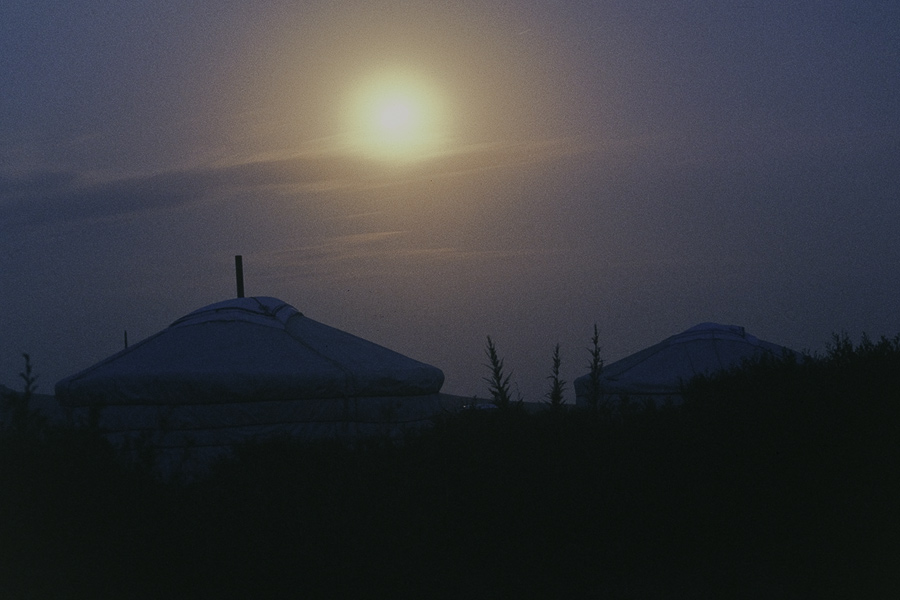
(397, 119)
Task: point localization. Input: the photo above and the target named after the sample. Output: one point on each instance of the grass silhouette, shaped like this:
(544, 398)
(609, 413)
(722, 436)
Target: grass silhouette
(779, 478)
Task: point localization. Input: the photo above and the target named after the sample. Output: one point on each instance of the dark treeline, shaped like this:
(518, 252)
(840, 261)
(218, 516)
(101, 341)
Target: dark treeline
(780, 479)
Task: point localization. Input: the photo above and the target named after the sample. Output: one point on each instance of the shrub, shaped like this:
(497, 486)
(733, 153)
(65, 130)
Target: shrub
(557, 385)
(498, 382)
(595, 371)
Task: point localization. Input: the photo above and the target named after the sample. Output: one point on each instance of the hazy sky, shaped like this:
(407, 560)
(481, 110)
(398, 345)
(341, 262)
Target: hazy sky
(640, 165)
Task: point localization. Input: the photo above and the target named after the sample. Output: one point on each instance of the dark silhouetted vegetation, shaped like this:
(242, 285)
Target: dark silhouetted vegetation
(14, 407)
(595, 371)
(557, 385)
(780, 479)
(498, 382)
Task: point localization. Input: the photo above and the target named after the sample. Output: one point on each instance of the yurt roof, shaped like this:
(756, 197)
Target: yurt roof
(660, 369)
(258, 348)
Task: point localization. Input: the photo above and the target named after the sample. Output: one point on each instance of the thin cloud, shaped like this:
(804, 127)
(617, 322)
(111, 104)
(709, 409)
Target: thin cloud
(55, 196)
(362, 254)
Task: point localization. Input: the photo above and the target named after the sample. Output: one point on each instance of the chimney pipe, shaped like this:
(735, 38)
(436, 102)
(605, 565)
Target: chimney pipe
(239, 273)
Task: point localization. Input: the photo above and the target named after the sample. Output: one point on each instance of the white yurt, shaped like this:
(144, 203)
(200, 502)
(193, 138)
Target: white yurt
(250, 369)
(657, 373)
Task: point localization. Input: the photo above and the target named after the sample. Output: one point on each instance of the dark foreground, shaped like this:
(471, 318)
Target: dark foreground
(781, 480)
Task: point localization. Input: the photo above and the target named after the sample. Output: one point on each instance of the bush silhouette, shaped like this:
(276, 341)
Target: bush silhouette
(776, 479)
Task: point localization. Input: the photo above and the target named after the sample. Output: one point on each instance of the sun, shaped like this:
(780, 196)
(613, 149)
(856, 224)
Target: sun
(397, 118)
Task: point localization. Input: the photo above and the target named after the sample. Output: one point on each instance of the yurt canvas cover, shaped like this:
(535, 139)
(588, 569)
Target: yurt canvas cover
(657, 373)
(251, 368)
